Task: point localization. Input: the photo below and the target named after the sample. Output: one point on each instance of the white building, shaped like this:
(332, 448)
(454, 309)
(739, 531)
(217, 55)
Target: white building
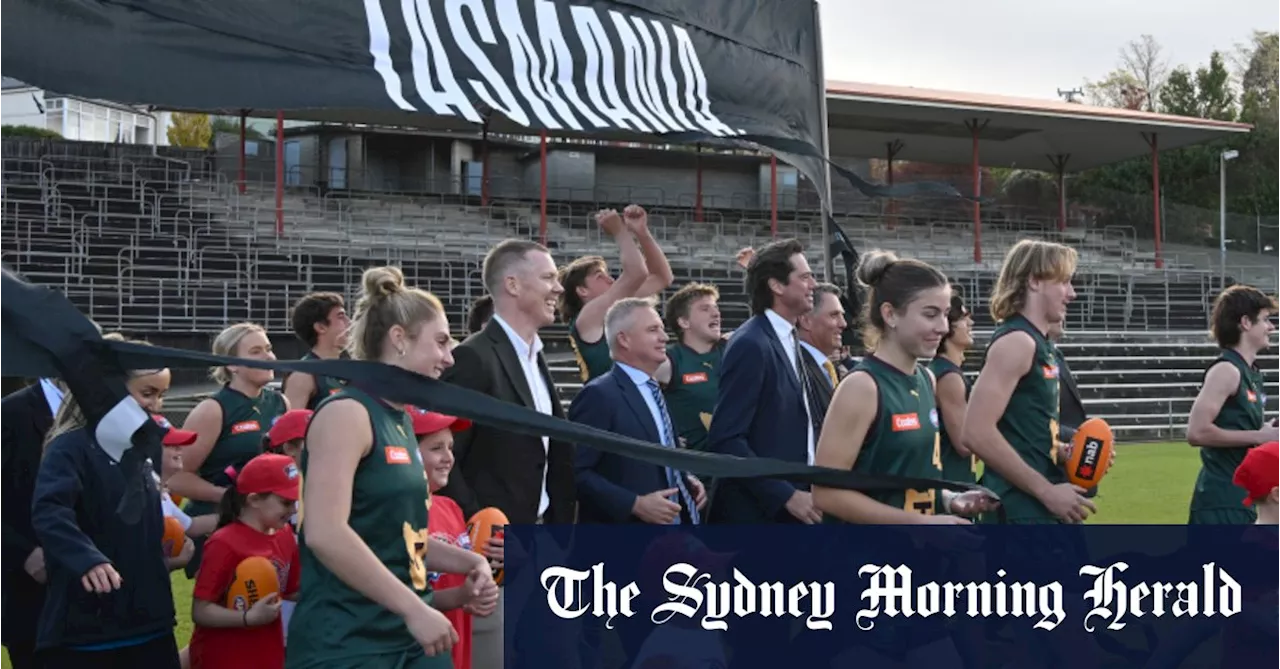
(81, 118)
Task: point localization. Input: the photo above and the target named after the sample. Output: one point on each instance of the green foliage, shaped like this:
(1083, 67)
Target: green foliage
(1189, 177)
(30, 131)
(190, 130)
(229, 125)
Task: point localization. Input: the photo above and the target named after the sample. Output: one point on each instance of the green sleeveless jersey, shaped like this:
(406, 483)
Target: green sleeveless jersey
(955, 467)
(1030, 425)
(903, 439)
(593, 359)
(691, 393)
(325, 385)
(1241, 411)
(333, 622)
(245, 422)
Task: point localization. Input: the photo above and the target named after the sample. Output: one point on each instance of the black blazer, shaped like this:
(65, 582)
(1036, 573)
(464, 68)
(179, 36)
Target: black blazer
(25, 418)
(499, 468)
(820, 382)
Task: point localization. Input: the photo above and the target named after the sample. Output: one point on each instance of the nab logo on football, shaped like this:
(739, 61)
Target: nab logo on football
(1089, 457)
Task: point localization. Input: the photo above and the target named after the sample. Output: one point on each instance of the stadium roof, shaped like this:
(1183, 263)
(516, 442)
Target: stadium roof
(865, 118)
(1019, 132)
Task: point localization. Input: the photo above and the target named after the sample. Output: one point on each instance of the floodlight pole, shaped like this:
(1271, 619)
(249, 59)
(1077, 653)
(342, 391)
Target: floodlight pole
(279, 173)
(828, 264)
(1222, 213)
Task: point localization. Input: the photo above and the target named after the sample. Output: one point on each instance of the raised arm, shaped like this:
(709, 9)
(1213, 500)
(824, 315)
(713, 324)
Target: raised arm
(655, 260)
(590, 321)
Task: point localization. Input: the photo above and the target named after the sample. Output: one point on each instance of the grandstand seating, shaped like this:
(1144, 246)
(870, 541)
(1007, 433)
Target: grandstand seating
(158, 246)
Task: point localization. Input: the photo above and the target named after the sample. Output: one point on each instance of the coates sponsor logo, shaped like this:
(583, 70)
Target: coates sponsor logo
(1050, 371)
(695, 377)
(398, 455)
(903, 422)
(246, 426)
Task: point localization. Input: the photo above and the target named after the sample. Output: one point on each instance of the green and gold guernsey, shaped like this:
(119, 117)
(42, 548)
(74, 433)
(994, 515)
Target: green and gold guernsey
(325, 385)
(1030, 425)
(334, 625)
(691, 393)
(903, 439)
(1216, 499)
(955, 467)
(593, 359)
(245, 421)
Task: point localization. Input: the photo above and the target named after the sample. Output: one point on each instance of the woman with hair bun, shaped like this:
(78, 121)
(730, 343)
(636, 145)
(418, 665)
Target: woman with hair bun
(883, 418)
(366, 599)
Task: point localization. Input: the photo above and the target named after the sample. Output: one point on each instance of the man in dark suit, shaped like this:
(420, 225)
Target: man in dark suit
(762, 409)
(820, 332)
(629, 401)
(529, 478)
(25, 416)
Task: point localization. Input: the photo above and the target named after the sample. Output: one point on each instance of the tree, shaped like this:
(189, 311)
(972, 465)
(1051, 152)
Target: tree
(1119, 89)
(29, 131)
(1178, 96)
(190, 130)
(1213, 90)
(1143, 59)
(1259, 80)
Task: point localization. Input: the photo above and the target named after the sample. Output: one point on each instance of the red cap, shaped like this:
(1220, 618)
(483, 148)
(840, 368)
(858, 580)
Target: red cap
(1259, 473)
(290, 425)
(174, 436)
(429, 422)
(269, 473)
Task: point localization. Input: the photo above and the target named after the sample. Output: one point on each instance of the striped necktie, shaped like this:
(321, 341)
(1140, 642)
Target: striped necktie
(675, 479)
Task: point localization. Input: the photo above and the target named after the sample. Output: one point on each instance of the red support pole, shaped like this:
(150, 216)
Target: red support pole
(243, 122)
(697, 202)
(893, 148)
(484, 165)
(1155, 195)
(542, 188)
(773, 196)
(279, 173)
(977, 192)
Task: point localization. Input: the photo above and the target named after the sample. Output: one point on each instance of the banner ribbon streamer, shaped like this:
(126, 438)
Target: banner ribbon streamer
(93, 368)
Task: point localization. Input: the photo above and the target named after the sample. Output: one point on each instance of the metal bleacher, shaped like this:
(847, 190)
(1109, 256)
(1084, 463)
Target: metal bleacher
(158, 246)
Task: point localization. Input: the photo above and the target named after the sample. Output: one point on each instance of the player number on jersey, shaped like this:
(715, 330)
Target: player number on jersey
(415, 542)
(920, 501)
(937, 451)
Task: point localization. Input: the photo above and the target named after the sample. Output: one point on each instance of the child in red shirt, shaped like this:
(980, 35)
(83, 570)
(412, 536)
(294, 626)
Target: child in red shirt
(253, 521)
(454, 596)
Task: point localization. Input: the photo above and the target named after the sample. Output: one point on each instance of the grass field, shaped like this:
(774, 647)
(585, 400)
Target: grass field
(1150, 484)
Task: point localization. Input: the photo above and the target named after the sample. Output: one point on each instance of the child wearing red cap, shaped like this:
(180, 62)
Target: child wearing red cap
(253, 520)
(287, 436)
(1259, 475)
(454, 594)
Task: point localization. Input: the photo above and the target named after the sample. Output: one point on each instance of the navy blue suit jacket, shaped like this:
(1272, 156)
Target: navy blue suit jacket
(759, 413)
(609, 484)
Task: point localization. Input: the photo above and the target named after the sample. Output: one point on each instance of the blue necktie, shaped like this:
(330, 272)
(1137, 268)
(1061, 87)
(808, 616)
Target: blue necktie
(674, 478)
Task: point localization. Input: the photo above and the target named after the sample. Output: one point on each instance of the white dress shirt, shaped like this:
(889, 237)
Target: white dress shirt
(787, 335)
(528, 355)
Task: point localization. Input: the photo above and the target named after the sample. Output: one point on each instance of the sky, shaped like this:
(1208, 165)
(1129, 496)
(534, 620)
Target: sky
(1027, 48)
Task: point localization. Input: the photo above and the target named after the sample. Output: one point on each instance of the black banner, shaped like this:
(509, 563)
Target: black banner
(707, 70)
